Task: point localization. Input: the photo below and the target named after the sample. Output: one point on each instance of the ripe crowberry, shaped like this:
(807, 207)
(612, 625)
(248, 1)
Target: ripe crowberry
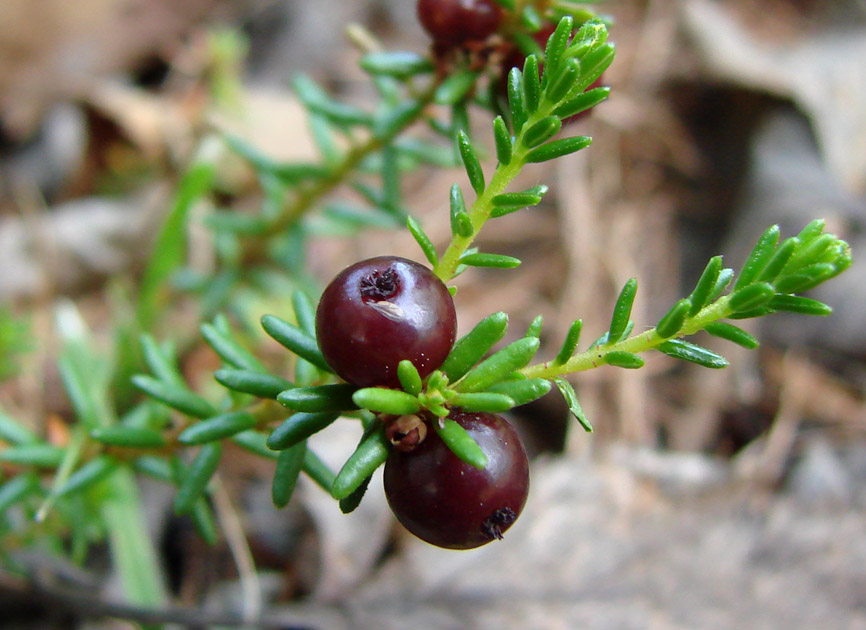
(380, 311)
(449, 503)
(454, 22)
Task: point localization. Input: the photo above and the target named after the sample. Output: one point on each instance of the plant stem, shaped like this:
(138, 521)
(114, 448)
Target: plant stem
(308, 196)
(636, 344)
(479, 213)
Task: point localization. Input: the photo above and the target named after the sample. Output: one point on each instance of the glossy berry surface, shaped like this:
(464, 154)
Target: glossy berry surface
(449, 503)
(380, 311)
(458, 21)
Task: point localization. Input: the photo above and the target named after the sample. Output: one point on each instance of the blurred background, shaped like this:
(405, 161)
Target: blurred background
(704, 499)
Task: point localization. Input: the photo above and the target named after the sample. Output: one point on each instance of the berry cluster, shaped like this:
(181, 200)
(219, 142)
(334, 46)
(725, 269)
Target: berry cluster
(377, 313)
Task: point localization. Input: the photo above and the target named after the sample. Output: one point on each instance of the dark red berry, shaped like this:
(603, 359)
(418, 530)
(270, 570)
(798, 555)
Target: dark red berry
(380, 311)
(450, 503)
(457, 21)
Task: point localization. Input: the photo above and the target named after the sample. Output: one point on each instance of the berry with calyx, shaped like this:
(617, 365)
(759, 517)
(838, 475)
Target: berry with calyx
(381, 311)
(449, 503)
(455, 22)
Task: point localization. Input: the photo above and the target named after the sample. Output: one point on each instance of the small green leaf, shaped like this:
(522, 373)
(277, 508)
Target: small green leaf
(461, 443)
(470, 162)
(336, 397)
(592, 65)
(425, 152)
(809, 253)
(573, 403)
(517, 200)
(217, 428)
(798, 304)
(319, 471)
(383, 400)
(622, 311)
(490, 260)
(455, 87)
(531, 84)
(751, 297)
(503, 141)
(237, 224)
(498, 366)
(564, 80)
(523, 391)
(706, 286)
(582, 102)
(557, 149)
(289, 465)
(391, 180)
(516, 100)
(323, 136)
(724, 279)
(16, 490)
(605, 338)
(287, 173)
(556, 45)
(129, 437)
(305, 312)
(318, 101)
(397, 64)
(758, 258)
(811, 231)
(370, 454)
(255, 383)
(625, 360)
(229, 350)
(488, 402)
(679, 349)
(296, 340)
(423, 241)
(88, 475)
(569, 345)
(806, 278)
(673, 320)
(470, 348)
(298, 427)
(541, 131)
(255, 442)
(779, 260)
(169, 251)
(409, 377)
(352, 218)
(350, 503)
(156, 467)
(534, 329)
(174, 396)
(531, 19)
(391, 121)
(461, 224)
(761, 311)
(737, 335)
(40, 455)
(160, 362)
(14, 433)
(194, 481)
(203, 521)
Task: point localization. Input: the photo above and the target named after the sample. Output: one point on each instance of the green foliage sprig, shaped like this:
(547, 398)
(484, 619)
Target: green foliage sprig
(177, 435)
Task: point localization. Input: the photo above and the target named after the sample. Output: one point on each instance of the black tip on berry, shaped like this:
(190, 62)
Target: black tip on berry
(496, 522)
(379, 286)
